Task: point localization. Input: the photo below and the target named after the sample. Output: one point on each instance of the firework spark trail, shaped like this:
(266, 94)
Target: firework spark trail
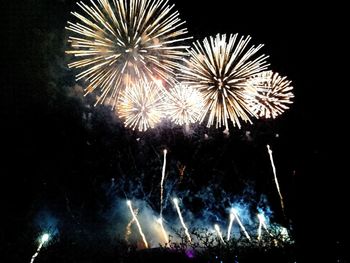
(274, 94)
(262, 224)
(44, 239)
(217, 228)
(128, 229)
(114, 42)
(161, 185)
(275, 176)
(240, 223)
(232, 217)
(160, 222)
(176, 202)
(219, 68)
(137, 223)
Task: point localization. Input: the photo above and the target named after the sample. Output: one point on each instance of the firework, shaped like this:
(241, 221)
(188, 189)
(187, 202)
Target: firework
(284, 234)
(234, 211)
(275, 177)
(217, 228)
(160, 222)
(44, 238)
(176, 202)
(219, 68)
(274, 94)
(262, 224)
(259, 228)
(161, 184)
(232, 217)
(114, 42)
(141, 105)
(184, 104)
(128, 202)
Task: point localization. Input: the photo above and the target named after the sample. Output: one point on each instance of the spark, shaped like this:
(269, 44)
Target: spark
(184, 104)
(44, 238)
(259, 229)
(161, 184)
(176, 202)
(128, 202)
(284, 234)
(274, 94)
(262, 224)
(219, 68)
(217, 228)
(275, 176)
(128, 227)
(114, 42)
(234, 211)
(160, 222)
(232, 217)
(141, 105)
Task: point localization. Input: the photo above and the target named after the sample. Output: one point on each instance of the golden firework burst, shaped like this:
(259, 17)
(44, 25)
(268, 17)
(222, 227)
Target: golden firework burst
(219, 68)
(117, 42)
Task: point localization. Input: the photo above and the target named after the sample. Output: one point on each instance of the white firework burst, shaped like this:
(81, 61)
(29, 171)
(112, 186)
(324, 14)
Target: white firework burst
(184, 104)
(141, 105)
(273, 97)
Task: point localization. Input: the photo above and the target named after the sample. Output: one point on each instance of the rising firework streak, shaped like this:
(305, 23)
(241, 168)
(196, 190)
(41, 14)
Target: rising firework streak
(234, 211)
(160, 222)
(176, 202)
(217, 228)
(232, 217)
(161, 183)
(128, 202)
(275, 176)
(44, 238)
(262, 224)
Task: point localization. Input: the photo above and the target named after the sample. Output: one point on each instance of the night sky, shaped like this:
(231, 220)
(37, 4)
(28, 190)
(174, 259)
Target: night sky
(61, 153)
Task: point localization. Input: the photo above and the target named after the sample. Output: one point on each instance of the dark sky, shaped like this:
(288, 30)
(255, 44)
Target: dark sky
(51, 153)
